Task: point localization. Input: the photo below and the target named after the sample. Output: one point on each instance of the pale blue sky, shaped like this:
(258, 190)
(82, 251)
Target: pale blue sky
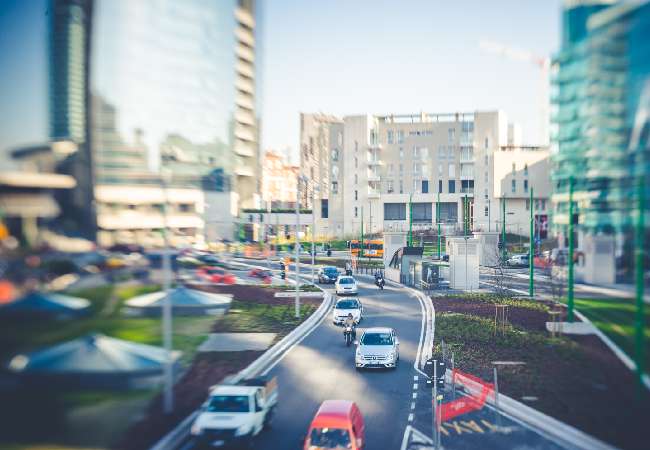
(348, 57)
(337, 56)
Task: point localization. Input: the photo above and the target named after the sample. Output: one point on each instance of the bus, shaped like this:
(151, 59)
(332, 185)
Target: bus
(372, 248)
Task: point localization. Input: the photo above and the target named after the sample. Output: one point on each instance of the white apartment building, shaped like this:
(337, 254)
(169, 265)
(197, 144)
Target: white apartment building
(386, 162)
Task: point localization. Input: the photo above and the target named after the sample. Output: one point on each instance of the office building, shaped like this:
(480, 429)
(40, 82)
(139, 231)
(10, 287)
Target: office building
(168, 114)
(601, 95)
(383, 167)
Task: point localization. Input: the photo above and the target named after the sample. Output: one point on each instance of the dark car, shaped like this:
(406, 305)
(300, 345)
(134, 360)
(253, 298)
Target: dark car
(328, 274)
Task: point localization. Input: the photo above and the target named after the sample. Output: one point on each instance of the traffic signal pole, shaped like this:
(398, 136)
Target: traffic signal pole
(438, 220)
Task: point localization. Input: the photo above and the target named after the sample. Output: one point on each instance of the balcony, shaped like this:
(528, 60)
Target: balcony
(373, 193)
(244, 149)
(372, 176)
(466, 157)
(374, 162)
(244, 171)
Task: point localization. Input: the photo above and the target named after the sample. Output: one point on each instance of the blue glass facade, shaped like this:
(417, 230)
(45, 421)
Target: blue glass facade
(601, 70)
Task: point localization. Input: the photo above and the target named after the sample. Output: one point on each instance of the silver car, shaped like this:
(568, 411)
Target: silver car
(377, 348)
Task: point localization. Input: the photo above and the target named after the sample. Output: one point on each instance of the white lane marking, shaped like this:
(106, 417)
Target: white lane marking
(415, 378)
(415, 386)
(415, 395)
(411, 417)
(412, 405)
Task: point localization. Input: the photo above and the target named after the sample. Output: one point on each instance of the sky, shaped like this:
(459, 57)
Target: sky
(339, 57)
(381, 57)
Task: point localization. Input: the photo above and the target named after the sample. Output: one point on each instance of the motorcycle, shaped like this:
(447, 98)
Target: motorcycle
(380, 282)
(348, 335)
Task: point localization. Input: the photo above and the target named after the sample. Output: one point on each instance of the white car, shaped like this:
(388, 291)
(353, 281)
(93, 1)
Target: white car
(377, 348)
(346, 285)
(347, 306)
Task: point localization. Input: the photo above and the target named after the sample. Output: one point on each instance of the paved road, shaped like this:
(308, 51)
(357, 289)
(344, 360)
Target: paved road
(322, 368)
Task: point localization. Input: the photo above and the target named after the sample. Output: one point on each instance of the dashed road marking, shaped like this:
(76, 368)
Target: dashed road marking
(412, 405)
(415, 378)
(415, 386)
(411, 417)
(415, 395)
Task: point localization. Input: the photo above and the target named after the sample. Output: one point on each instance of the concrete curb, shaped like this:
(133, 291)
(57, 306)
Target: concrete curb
(179, 435)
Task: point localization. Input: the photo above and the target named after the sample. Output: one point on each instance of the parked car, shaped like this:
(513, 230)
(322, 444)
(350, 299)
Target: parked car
(520, 260)
(328, 274)
(215, 275)
(346, 285)
(347, 306)
(263, 274)
(234, 414)
(377, 348)
(337, 424)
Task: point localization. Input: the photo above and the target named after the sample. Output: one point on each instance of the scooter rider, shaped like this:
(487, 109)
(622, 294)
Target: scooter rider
(349, 322)
(379, 278)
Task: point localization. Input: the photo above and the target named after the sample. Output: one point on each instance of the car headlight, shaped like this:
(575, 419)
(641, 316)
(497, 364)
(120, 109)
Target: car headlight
(243, 430)
(196, 429)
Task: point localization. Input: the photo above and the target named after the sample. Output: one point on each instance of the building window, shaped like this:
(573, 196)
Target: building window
(514, 186)
(525, 169)
(400, 136)
(324, 208)
(416, 186)
(452, 186)
(425, 186)
(486, 194)
(340, 138)
(335, 187)
(486, 177)
(448, 212)
(356, 212)
(390, 169)
(486, 211)
(389, 187)
(525, 185)
(356, 162)
(335, 154)
(452, 170)
(356, 146)
(424, 152)
(439, 170)
(442, 152)
(401, 153)
(514, 168)
(185, 207)
(440, 186)
(394, 211)
(424, 169)
(543, 204)
(416, 152)
(312, 172)
(486, 160)
(422, 212)
(389, 136)
(451, 135)
(450, 149)
(527, 204)
(401, 186)
(416, 168)
(467, 186)
(401, 169)
(536, 204)
(356, 195)
(487, 142)
(356, 179)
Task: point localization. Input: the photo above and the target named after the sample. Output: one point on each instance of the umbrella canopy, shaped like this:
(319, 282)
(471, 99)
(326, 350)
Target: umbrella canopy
(94, 354)
(183, 301)
(46, 304)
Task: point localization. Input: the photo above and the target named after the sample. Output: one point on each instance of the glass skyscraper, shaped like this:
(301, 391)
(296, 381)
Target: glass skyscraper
(601, 71)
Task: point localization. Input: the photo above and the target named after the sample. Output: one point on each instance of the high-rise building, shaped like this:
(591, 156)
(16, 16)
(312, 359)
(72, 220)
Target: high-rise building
(379, 165)
(279, 180)
(601, 72)
(169, 113)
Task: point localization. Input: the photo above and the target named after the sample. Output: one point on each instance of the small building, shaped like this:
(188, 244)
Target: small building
(39, 305)
(184, 302)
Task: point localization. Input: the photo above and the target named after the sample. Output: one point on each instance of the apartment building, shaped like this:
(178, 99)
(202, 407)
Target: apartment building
(279, 181)
(391, 166)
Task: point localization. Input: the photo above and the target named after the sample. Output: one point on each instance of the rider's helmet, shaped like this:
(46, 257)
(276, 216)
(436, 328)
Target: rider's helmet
(350, 315)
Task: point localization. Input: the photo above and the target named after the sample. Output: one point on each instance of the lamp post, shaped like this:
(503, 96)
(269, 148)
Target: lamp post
(297, 248)
(313, 231)
(410, 241)
(531, 265)
(168, 394)
(503, 228)
(438, 220)
(570, 262)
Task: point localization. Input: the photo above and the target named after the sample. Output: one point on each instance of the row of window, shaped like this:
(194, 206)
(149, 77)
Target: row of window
(422, 212)
(420, 186)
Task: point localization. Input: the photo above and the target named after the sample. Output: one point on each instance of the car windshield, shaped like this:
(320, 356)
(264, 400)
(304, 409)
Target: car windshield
(330, 438)
(377, 339)
(346, 280)
(228, 403)
(347, 304)
(330, 270)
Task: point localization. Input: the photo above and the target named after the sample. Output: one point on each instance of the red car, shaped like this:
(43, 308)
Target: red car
(216, 275)
(262, 274)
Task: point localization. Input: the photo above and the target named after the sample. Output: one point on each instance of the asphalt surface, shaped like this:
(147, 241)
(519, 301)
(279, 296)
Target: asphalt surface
(321, 367)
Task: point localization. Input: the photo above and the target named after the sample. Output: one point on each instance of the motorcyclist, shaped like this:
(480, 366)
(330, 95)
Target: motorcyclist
(349, 322)
(348, 268)
(379, 278)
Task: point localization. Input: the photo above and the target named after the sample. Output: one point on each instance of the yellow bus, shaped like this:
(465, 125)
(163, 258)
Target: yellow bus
(372, 248)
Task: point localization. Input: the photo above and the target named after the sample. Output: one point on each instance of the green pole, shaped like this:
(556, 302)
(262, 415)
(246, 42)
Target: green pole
(640, 307)
(503, 228)
(411, 220)
(466, 213)
(531, 287)
(570, 280)
(438, 220)
(361, 242)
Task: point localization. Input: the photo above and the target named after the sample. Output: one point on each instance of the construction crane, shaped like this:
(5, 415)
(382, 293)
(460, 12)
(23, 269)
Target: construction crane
(543, 63)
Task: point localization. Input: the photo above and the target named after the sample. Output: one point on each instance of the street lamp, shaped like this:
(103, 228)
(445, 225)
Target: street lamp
(168, 398)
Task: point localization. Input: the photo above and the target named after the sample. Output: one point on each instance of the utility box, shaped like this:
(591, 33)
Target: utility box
(488, 248)
(463, 263)
(393, 241)
(599, 264)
